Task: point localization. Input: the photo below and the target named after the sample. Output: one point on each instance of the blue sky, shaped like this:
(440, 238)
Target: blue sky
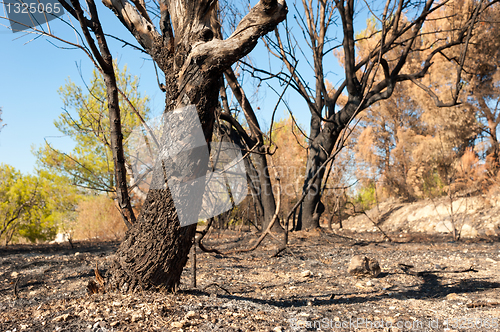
(32, 72)
(30, 77)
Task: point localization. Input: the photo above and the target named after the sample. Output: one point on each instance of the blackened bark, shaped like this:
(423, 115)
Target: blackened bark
(156, 249)
(319, 151)
(266, 194)
(105, 62)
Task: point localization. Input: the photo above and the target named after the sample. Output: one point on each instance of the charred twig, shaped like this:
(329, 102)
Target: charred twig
(194, 262)
(98, 276)
(216, 285)
(482, 304)
(202, 235)
(16, 295)
(92, 287)
(269, 227)
(406, 269)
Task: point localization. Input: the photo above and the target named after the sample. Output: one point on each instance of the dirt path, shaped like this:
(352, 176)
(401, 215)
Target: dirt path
(43, 288)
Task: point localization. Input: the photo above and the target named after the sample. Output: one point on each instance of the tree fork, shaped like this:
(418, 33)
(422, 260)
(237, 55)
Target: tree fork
(156, 248)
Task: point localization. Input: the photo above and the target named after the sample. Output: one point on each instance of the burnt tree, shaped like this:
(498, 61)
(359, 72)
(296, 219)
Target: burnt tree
(367, 79)
(156, 248)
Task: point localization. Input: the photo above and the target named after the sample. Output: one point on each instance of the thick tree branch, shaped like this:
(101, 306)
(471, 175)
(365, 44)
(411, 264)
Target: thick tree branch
(142, 29)
(255, 131)
(220, 54)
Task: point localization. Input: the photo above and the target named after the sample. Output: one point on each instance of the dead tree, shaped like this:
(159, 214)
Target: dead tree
(193, 60)
(368, 79)
(258, 169)
(155, 250)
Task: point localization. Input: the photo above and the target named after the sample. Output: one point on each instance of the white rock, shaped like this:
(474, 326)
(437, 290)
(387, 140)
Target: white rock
(469, 231)
(444, 227)
(306, 273)
(99, 324)
(136, 316)
(192, 315)
(177, 324)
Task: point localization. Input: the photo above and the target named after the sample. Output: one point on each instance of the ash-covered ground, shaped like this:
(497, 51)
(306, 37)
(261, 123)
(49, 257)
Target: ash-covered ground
(305, 288)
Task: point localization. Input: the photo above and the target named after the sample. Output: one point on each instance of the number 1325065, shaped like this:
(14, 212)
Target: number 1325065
(471, 323)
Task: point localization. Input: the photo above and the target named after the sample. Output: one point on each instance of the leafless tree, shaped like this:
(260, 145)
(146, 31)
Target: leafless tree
(368, 78)
(253, 140)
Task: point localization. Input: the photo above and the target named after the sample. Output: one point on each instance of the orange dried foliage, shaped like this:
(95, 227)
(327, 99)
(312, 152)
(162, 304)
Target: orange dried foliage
(99, 219)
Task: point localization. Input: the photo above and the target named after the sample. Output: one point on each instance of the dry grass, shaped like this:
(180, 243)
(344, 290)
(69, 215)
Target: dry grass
(98, 218)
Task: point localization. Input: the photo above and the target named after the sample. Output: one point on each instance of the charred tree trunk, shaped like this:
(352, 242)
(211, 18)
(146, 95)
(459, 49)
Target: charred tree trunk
(156, 249)
(255, 141)
(104, 62)
(320, 149)
(367, 80)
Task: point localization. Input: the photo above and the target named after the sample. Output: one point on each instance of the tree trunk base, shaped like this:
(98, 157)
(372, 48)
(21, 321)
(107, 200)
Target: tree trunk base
(155, 249)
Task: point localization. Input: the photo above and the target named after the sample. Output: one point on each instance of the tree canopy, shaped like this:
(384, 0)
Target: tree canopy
(33, 206)
(85, 119)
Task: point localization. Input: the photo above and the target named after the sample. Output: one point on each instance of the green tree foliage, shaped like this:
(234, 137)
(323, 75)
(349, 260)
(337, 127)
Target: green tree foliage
(32, 207)
(85, 119)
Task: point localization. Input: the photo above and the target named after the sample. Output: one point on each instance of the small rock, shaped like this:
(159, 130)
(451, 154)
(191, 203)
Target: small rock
(362, 266)
(369, 283)
(113, 324)
(61, 318)
(77, 253)
(136, 316)
(99, 324)
(14, 274)
(278, 329)
(116, 304)
(177, 324)
(306, 273)
(191, 315)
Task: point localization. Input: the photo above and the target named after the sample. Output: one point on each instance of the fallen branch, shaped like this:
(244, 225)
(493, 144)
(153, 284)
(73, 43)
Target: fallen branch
(259, 240)
(202, 235)
(482, 304)
(268, 229)
(15, 288)
(406, 269)
(216, 285)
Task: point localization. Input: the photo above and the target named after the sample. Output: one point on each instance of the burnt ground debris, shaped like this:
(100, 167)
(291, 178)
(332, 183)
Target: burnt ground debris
(304, 288)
